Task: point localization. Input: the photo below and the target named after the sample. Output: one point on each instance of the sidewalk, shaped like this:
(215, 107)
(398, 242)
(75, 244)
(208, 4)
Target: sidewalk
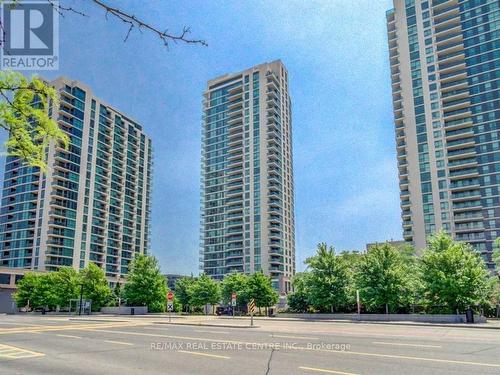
(491, 324)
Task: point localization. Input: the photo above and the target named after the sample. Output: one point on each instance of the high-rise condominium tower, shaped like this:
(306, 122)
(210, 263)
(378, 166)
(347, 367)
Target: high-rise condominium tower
(247, 175)
(93, 202)
(445, 69)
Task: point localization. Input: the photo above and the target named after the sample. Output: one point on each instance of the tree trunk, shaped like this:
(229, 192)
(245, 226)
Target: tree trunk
(387, 308)
(332, 309)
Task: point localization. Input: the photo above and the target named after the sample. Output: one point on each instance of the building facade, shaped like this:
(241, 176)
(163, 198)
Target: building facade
(93, 202)
(445, 68)
(397, 244)
(247, 188)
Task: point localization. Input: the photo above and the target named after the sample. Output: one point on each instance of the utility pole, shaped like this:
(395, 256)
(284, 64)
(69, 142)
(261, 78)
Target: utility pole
(81, 299)
(358, 302)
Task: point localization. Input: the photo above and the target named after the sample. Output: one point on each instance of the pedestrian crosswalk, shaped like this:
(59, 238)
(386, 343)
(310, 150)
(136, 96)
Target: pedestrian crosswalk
(12, 352)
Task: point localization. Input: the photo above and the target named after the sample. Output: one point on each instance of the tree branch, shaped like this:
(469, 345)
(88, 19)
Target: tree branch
(60, 9)
(134, 22)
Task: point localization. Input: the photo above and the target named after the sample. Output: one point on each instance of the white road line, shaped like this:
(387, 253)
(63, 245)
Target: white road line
(326, 371)
(201, 331)
(295, 337)
(13, 352)
(348, 353)
(118, 342)
(156, 328)
(403, 344)
(70, 336)
(204, 354)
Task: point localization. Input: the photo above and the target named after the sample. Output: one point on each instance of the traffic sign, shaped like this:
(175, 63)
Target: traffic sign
(251, 306)
(170, 306)
(170, 296)
(233, 299)
(251, 310)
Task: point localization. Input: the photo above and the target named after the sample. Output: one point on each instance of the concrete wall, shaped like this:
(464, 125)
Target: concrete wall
(125, 310)
(7, 304)
(388, 317)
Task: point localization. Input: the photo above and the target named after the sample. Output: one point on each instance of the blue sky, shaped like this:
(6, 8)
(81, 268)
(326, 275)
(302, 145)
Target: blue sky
(335, 50)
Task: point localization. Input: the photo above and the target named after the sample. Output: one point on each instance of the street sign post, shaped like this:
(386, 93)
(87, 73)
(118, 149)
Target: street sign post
(170, 305)
(358, 302)
(233, 302)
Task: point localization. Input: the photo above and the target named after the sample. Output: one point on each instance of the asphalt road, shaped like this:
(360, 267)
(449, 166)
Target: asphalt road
(57, 345)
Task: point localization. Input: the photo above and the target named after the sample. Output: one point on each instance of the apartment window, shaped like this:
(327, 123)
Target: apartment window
(426, 187)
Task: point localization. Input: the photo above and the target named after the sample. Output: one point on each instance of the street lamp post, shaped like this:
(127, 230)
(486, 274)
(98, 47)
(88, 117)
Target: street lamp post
(81, 299)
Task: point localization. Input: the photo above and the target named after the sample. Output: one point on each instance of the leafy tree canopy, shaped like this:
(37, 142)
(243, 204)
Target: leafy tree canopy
(384, 278)
(95, 286)
(330, 280)
(204, 291)
(260, 289)
(453, 274)
(182, 290)
(24, 114)
(146, 286)
(235, 283)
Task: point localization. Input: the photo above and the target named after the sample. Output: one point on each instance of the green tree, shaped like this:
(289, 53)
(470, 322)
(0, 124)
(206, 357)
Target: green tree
(26, 293)
(454, 276)
(24, 114)
(259, 288)
(235, 283)
(298, 301)
(330, 281)
(496, 255)
(65, 281)
(45, 294)
(47, 290)
(384, 279)
(182, 291)
(146, 286)
(204, 291)
(95, 286)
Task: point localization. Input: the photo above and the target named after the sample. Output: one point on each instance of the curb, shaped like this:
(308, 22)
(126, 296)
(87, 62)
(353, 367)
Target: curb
(98, 320)
(206, 325)
(396, 323)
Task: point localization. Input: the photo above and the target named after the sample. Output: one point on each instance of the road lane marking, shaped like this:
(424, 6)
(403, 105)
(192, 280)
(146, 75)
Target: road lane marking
(363, 354)
(204, 354)
(13, 352)
(403, 344)
(68, 327)
(118, 342)
(201, 331)
(70, 336)
(325, 370)
(295, 337)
